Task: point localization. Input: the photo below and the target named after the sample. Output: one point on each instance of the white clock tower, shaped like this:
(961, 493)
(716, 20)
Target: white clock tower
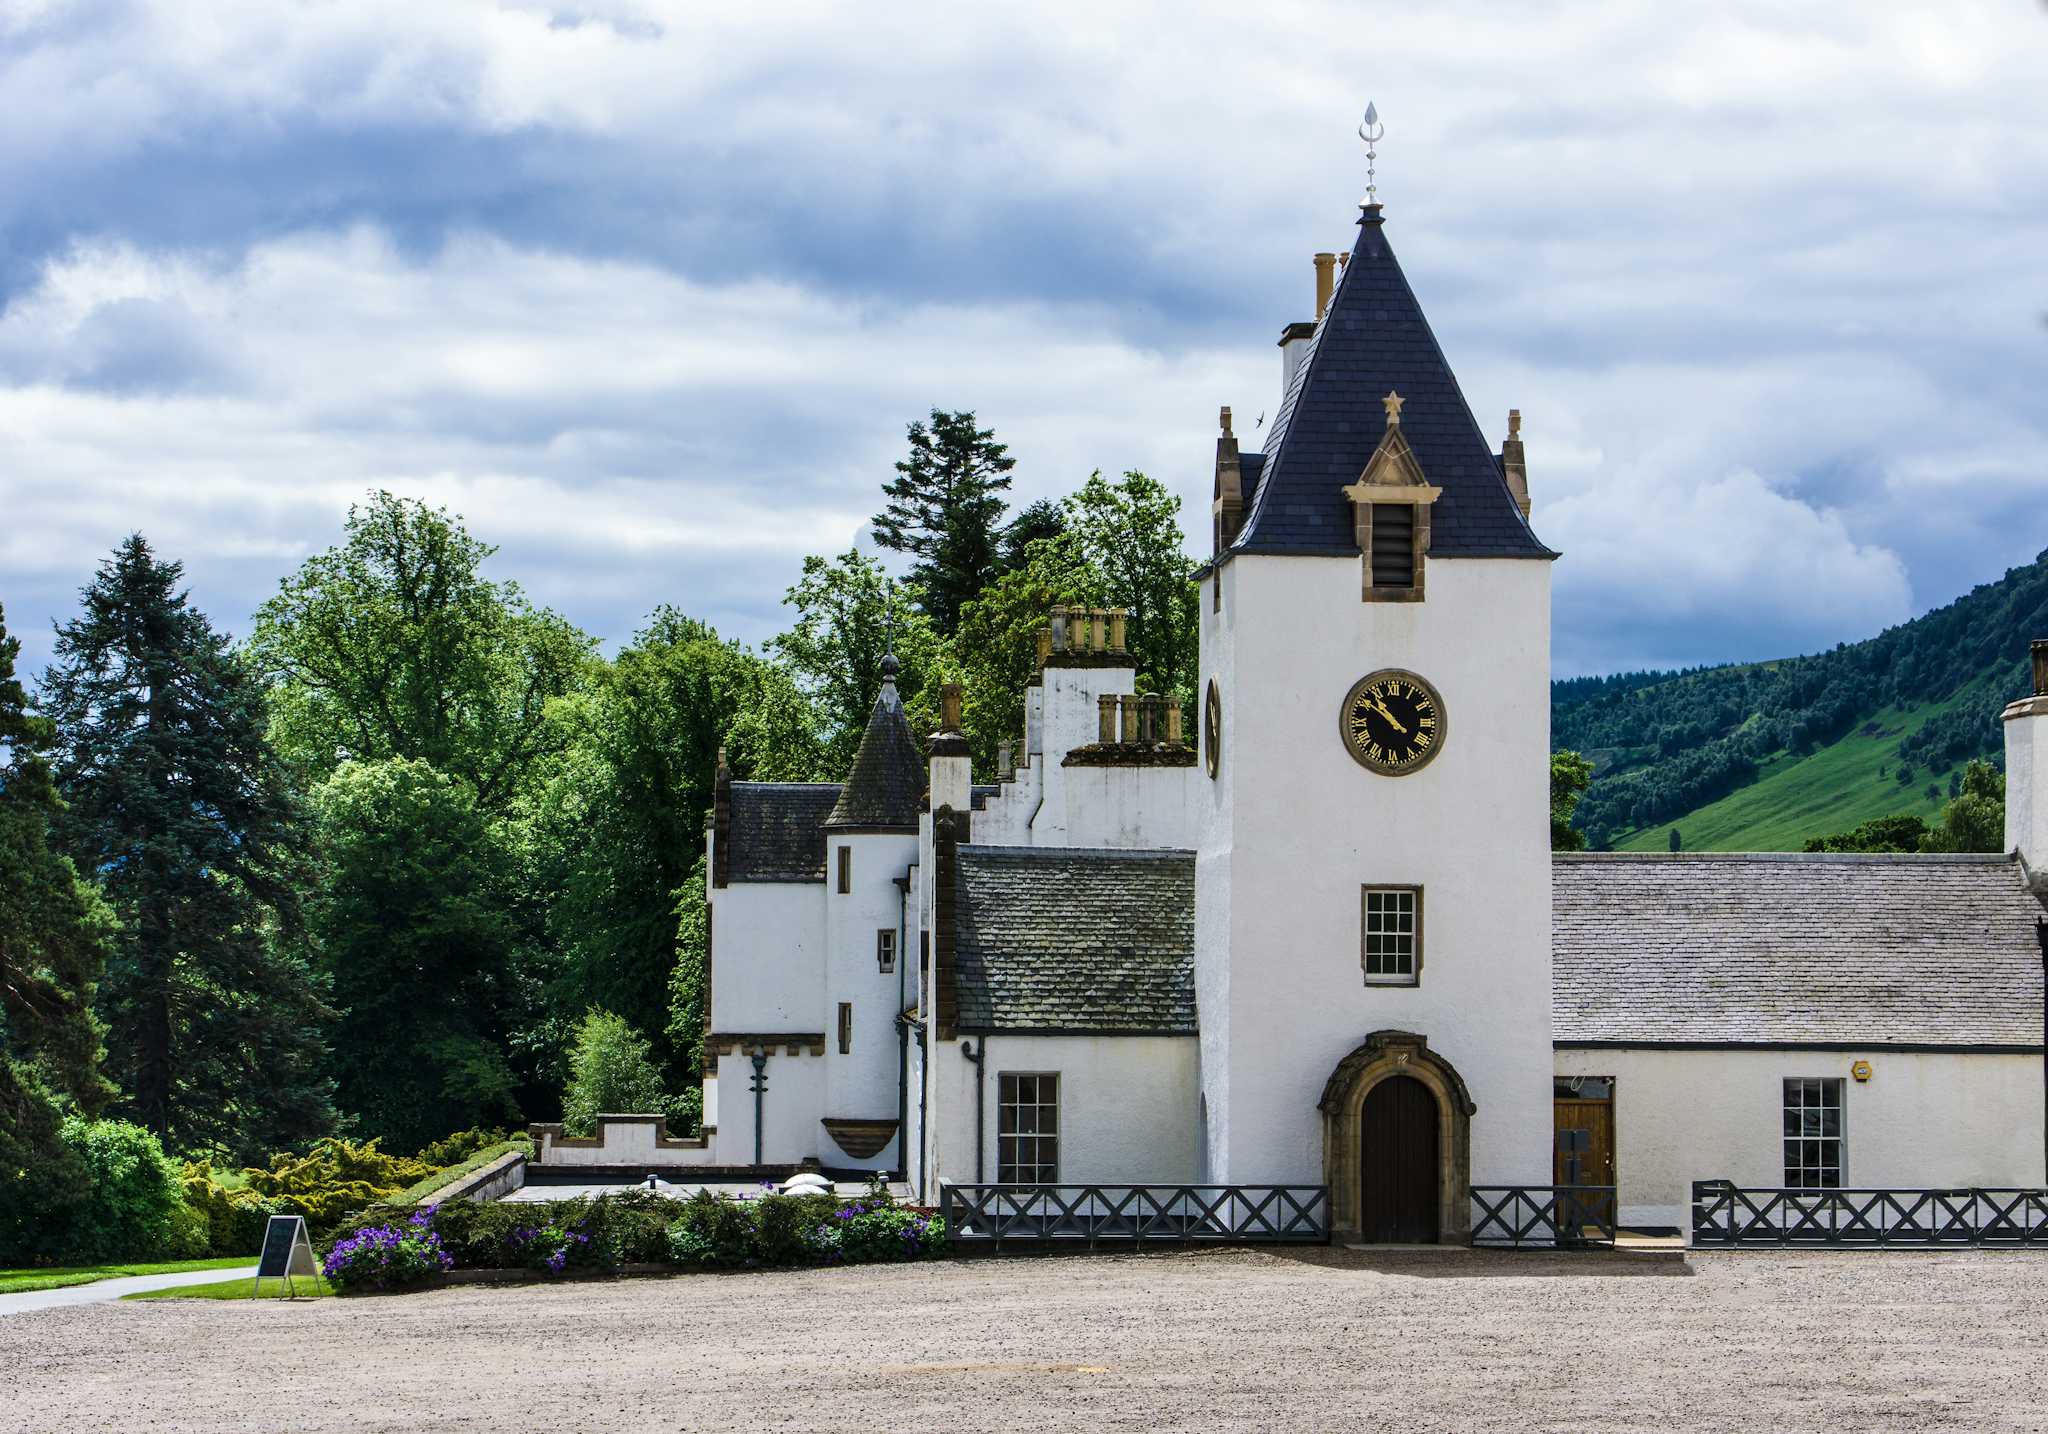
(1372, 918)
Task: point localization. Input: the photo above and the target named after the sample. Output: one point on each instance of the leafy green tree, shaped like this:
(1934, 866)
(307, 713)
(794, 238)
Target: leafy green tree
(395, 645)
(1130, 531)
(417, 932)
(1035, 521)
(1570, 775)
(623, 813)
(610, 1073)
(686, 1010)
(177, 804)
(1974, 821)
(946, 509)
(997, 640)
(132, 1206)
(54, 937)
(846, 608)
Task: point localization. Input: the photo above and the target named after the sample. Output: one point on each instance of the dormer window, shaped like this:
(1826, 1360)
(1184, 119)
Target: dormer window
(1390, 505)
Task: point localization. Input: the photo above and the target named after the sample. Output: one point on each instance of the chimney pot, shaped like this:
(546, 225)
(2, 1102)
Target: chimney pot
(1059, 627)
(1005, 766)
(1127, 705)
(1105, 719)
(2039, 652)
(1098, 628)
(1326, 282)
(949, 707)
(1044, 645)
(1173, 731)
(1116, 629)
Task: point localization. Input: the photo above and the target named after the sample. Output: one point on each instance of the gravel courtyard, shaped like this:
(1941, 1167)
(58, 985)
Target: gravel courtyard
(1210, 1340)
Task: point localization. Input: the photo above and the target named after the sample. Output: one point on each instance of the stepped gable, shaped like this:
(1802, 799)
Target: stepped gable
(778, 830)
(886, 785)
(1075, 940)
(1374, 341)
(1785, 949)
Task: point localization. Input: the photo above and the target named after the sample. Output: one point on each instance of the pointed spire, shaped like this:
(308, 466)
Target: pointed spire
(883, 790)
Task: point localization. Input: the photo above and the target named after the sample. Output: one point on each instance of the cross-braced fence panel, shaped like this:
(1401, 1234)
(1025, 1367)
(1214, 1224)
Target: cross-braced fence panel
(1725, 1214)
(1543, 1217)
(1097, 1214)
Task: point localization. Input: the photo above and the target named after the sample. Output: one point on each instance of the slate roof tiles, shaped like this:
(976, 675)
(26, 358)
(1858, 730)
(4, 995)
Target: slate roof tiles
(778, 830)
(1075, 940)
(1863, 951)
(1374, 339)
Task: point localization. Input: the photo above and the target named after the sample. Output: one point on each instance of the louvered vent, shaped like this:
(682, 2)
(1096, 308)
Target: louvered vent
(1393, 545)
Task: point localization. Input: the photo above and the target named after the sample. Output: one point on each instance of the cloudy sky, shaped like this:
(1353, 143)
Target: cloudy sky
(649, 291)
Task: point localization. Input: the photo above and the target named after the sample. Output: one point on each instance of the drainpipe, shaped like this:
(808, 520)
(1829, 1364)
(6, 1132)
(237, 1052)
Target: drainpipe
(760, 1088)
(902, 1033)
(2041, 939)
(979, 1057)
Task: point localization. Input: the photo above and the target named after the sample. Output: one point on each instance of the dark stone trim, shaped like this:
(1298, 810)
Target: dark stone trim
(949, 830)
(1134, 754)
(1546, 555)
(1071, 658)
(794, 1043)
(1921, 1048)
(869, 829)
(1179, 1032)
(950, 744)
(861, 1139)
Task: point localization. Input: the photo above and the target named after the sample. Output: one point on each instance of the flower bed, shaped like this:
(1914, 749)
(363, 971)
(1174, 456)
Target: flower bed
(636, 1229)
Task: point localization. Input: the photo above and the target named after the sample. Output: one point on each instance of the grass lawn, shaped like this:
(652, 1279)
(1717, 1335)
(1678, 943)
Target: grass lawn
(307, 1286)
(20, 1282)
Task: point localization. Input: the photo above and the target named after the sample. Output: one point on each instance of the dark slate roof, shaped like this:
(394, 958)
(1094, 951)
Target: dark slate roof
(1374, 339)
(886, 784)
(1075, 940)
(1782, 949)
(1249, 467)
(778, 830)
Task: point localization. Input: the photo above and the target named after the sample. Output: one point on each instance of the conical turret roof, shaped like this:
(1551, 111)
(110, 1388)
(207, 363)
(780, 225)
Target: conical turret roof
(886, 785)
(1374, 341)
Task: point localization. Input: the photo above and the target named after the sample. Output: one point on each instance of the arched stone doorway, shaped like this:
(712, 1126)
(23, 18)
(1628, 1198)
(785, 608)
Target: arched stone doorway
(1386, 1056)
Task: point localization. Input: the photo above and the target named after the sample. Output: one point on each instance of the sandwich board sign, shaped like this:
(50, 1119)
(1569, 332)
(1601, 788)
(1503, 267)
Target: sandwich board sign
(287, 1252)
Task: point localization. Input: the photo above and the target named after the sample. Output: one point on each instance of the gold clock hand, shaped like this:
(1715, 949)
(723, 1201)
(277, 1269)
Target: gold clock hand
(1392, 720)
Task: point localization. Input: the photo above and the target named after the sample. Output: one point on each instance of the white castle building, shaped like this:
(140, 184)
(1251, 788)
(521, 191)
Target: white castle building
(1321, 938)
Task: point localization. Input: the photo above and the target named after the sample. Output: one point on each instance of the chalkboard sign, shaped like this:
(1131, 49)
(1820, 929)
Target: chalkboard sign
(286, 1252)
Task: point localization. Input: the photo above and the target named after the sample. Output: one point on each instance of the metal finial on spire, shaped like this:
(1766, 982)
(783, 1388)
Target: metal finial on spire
(890, 667)
(1372, 132)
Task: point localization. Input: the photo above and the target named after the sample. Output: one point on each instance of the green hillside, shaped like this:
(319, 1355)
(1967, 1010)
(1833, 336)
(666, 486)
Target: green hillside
(1762, 756)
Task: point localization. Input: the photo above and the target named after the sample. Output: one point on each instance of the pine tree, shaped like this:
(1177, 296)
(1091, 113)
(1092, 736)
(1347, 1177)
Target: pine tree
(178, 806)
(54, 933)
(946, 509)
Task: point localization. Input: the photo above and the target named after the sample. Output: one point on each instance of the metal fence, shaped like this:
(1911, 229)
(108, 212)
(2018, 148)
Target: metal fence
(1547, 1217)
(1096, 1214)
(1725, 1215)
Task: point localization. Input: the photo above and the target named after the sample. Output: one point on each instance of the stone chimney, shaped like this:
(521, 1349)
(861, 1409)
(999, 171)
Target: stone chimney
(952, 765)
(1511, 463)
(721, 824)
(1228, 509)
(2026, 774)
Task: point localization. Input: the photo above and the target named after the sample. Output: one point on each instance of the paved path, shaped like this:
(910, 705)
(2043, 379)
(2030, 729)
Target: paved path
(113, 1289)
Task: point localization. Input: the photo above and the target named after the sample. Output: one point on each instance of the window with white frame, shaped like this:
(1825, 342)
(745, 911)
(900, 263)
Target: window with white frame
(885, 950)
(1391, 947)
(1028, 1129)
(1814, 1140)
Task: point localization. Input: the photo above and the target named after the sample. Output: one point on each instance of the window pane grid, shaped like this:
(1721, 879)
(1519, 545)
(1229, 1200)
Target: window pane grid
(1390, 921)
(1027, 1129)
(1814, 1139)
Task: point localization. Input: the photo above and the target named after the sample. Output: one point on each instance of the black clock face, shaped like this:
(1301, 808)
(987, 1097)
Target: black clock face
(1392, 722)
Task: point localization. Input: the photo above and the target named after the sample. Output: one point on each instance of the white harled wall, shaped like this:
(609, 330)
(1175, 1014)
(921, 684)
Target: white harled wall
(1922, 1120)
(1294, 827)
(862, 1083)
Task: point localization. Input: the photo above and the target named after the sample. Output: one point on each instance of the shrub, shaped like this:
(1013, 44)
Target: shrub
(388, 1257)
(235, 1215)
(547, 1247)
(610, 1071)
(801, 1229)
(333, 1180)
(630, 1227)
(131, 1204)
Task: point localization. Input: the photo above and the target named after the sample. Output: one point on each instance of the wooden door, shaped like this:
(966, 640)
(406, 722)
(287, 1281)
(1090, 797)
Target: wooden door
(1596, 1118)
(1397, 1140)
